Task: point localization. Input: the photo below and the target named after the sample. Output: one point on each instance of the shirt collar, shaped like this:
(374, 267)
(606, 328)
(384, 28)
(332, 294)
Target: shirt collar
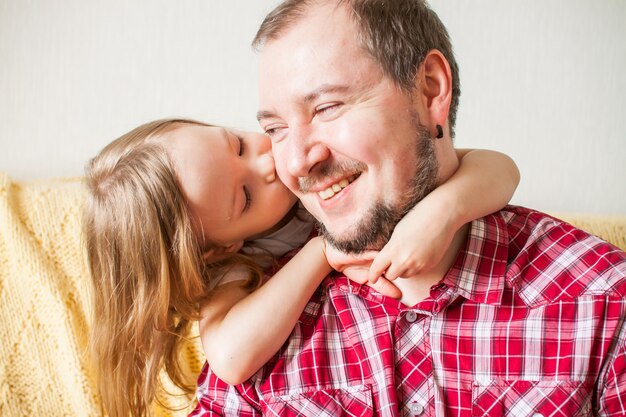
(479, 272)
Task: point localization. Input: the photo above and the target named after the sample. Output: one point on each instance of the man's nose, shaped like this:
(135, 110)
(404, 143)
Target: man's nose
(305, 152)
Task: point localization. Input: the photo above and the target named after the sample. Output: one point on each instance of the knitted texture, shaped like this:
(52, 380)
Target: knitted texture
(45, 366)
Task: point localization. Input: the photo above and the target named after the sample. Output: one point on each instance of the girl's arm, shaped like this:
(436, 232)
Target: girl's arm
(483, 183)
(240, 331)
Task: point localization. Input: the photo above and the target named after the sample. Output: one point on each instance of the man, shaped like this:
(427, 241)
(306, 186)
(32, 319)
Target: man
(524, 316)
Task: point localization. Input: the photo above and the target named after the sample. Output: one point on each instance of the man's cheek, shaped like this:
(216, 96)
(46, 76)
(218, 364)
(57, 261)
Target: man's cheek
(283, 174)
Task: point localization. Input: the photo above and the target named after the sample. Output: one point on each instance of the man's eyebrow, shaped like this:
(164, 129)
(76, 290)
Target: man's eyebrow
(308, 98)
(324, 89)
(263, 114)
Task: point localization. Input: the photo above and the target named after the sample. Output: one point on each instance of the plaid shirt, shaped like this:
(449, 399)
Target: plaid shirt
(528, 322)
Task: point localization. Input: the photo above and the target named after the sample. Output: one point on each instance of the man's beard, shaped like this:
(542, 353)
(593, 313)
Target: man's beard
(376, 227)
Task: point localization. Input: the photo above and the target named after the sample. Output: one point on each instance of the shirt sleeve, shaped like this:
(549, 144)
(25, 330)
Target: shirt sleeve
(235, 273)
(232, 274)
(613, 395)
(217, 398)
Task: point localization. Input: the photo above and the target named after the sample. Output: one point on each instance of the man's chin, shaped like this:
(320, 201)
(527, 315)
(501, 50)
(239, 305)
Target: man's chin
(338, 241)
(369, 233)
(338, 237)
(352, 242)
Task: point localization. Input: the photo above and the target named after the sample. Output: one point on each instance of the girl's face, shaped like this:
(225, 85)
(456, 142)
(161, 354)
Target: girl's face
(229, 180)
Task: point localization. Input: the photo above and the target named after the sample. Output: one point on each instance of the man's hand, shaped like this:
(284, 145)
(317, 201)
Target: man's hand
(356, 267)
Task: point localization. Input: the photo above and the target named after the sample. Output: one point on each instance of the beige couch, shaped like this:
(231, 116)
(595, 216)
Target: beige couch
(45, 301)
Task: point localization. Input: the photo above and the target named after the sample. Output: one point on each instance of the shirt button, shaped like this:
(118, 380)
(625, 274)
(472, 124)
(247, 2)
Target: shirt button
(411, 316)
(417, 409)
(537, 415)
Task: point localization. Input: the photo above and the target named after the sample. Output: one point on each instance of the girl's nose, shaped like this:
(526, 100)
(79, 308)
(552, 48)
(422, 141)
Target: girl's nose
(266, 167)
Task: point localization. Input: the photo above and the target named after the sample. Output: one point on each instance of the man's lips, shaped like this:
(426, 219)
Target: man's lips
(336, 187)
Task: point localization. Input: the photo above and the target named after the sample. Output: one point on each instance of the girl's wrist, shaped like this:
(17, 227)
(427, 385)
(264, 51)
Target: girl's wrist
(446, 209)
(323, 245)
(320, 243)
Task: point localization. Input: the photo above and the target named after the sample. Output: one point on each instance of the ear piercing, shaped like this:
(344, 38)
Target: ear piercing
(439, 132)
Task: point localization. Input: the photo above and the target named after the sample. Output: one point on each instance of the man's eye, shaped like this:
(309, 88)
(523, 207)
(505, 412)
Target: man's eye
(272, 131)
(327, 108)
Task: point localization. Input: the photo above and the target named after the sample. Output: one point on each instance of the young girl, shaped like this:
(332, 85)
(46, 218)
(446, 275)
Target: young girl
(178, 219)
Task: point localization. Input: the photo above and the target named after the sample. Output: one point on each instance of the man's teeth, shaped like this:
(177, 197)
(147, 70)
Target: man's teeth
(335, 188)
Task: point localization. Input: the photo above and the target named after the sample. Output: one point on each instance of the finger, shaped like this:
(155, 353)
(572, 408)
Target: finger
(343, 258)
(394, 272)
(386, 288)
(368, 255)
(378, 267)
(361, 256)
(356, 274)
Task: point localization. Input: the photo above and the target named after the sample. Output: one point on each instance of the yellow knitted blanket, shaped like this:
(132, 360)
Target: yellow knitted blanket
(45, 368)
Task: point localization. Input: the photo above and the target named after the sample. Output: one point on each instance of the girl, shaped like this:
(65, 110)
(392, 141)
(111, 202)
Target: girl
(180, 219)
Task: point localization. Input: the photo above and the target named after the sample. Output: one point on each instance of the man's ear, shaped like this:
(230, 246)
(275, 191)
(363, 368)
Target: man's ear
(220, 253)
(434, 84)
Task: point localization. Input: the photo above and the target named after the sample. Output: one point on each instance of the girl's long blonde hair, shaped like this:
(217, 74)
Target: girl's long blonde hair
(146, 265)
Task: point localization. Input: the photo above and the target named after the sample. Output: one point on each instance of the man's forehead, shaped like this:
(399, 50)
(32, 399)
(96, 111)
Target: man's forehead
(307, 57)
(328, 19)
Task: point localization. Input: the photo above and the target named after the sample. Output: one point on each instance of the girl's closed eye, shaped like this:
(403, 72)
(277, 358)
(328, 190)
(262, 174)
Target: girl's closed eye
(246, 191)
(241, 145)
(248, 197)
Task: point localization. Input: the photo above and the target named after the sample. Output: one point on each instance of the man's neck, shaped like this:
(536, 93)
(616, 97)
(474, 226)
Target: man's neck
(417, 288)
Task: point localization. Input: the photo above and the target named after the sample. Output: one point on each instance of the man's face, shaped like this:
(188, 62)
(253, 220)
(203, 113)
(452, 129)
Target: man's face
(345, 138)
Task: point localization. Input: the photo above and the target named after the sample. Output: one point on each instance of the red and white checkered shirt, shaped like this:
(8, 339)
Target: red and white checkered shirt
(530, 321)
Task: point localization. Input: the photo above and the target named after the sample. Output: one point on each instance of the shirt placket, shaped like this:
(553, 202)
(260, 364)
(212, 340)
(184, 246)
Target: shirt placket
(414, 365)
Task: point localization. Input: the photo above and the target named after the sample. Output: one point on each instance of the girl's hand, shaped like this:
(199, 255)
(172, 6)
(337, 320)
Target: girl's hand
(483, 183)
(417, 244)
(356, 267)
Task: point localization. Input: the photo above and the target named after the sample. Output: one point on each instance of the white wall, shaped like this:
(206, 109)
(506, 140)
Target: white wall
(542, 80)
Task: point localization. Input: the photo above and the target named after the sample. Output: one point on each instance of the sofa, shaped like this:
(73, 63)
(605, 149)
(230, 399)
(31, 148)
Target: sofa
(45, 369)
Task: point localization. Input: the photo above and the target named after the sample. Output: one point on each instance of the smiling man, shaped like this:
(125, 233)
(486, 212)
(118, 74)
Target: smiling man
(331, 112)
(523, 316)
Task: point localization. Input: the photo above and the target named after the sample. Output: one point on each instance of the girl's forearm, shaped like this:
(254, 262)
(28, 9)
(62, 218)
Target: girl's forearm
(484, 182)
(239, 340)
